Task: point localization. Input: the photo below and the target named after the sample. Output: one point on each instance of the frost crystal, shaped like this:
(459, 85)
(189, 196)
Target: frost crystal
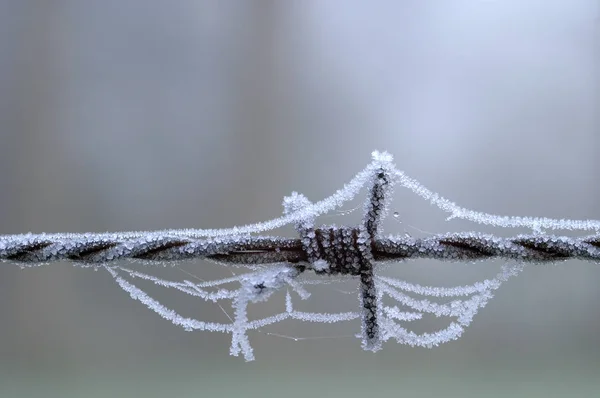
(321, 265)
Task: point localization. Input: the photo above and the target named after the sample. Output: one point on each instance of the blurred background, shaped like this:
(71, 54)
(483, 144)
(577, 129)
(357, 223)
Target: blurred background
(139, 115)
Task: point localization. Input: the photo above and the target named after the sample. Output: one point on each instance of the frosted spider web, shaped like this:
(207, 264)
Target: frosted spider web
(260, 284)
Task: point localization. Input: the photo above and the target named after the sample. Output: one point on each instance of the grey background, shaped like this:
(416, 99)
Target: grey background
(132, 115)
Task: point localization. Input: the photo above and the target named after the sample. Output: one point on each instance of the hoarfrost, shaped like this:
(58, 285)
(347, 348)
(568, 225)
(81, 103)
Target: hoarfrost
(345, 252)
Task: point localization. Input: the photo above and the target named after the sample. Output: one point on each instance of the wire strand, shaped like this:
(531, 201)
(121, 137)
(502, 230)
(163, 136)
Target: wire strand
(90, 248)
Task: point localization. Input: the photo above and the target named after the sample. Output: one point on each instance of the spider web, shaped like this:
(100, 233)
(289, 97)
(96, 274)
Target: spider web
(259, 286)
(462, 302)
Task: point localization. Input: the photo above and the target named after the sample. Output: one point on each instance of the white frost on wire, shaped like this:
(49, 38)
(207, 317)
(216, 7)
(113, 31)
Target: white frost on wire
(261, 284)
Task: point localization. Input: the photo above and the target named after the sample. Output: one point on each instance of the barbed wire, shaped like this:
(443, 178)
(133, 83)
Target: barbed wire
(338, 246)
(102, 248)
(326, 250)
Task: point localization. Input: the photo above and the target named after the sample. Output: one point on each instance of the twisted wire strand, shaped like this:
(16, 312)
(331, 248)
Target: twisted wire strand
(103, 248)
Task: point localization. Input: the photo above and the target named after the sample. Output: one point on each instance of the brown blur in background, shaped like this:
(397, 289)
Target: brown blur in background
(139, 115)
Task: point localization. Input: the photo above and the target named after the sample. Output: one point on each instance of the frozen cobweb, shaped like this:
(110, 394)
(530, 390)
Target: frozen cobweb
(253, 287)
(341, 253)
(259, 286)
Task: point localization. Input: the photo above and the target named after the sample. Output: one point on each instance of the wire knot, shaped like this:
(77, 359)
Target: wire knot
(346, 250)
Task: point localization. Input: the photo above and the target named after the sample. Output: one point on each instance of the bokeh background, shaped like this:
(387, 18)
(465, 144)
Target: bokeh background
(133, 115)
